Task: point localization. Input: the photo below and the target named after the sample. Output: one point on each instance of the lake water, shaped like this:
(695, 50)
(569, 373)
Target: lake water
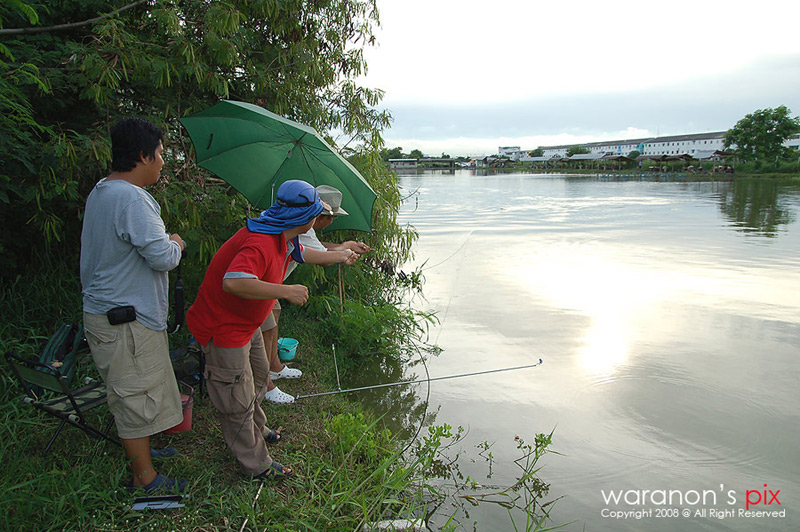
(667, 316)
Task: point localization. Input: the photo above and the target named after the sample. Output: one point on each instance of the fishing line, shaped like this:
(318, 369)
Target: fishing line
(419, 381)
(415, 192)
(427, 402)
(455, 283)
(463, 244)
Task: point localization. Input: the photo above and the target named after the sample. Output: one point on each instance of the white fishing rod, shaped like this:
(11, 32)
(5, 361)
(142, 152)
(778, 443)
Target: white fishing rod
(419, 381)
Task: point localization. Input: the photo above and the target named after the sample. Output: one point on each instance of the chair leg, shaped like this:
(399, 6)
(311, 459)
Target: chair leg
(101, 440)
(53, 439)
(91, 431)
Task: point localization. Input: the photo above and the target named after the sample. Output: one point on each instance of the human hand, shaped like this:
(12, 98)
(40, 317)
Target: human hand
(296, 293)
(358, 247)
(349, 256)
(175, 237)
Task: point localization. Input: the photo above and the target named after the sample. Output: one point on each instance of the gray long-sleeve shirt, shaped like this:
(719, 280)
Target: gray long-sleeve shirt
(126, 253)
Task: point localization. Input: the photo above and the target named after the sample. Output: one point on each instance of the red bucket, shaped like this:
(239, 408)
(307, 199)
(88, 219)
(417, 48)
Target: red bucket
(186, 404)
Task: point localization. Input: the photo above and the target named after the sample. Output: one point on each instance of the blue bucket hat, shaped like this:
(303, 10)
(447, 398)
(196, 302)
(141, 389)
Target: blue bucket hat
(297, 204)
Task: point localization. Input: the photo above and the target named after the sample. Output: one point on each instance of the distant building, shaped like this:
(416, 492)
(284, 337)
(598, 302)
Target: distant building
(438, 162)
(670, 145)
(399, 164)
(556, 151)
(511, 152)
(616, 147)
(688, 144)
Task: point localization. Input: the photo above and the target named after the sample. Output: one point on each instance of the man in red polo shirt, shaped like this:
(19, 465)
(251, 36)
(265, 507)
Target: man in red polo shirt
(237, 294)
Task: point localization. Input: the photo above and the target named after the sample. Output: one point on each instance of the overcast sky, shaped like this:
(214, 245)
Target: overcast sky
(464, 77)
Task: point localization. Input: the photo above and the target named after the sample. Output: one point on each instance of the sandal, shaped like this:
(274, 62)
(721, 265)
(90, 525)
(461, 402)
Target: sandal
(277, 396)
(274, 436)
(286, 373)
(276, 471)
(166, 452)
(161, 484)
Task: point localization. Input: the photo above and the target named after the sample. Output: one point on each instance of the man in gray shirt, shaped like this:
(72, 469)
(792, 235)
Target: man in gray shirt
(126, 255)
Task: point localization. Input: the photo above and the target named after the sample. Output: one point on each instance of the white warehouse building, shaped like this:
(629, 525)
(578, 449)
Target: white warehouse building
(512, 152)
(671, 145)
(680, 144)
(698, 144)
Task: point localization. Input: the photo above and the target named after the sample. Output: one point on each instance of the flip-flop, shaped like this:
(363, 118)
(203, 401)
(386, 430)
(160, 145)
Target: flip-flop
(161, 484)
(274, 436)
(275, 471)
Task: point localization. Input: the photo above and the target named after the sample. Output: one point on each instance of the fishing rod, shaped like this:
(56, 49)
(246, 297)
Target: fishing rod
(180, 306)
(418, 381)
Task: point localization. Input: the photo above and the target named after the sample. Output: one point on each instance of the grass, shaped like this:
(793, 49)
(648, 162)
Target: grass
(346, 468)
(349, 469)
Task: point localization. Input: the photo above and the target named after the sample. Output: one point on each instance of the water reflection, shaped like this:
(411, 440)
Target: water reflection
(757, 205)
(398, 407)
(669, 336)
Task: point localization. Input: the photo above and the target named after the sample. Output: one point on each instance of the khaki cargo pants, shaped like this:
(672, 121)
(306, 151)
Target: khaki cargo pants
(229, 378)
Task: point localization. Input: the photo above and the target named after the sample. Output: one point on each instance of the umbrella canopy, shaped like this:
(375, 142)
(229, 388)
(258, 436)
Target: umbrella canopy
(255, 151)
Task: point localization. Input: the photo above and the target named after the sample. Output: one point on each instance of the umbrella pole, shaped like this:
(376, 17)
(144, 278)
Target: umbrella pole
(341, 292)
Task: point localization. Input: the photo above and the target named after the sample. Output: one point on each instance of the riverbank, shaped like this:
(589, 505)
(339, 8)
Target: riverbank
(347, 467)
(350, 469)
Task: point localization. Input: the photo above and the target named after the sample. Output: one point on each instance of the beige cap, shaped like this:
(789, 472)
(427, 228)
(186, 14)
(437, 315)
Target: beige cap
(333, 198)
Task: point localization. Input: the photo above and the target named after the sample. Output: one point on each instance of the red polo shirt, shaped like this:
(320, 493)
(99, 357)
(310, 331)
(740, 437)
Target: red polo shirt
(228, 319)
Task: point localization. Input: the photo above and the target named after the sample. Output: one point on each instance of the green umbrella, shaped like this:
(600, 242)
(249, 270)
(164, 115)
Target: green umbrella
(255, 151)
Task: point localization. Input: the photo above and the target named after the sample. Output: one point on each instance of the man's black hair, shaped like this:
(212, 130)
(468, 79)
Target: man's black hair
(130, 139)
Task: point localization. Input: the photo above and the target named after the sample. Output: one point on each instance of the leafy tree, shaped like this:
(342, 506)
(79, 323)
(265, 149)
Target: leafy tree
(575, 150)
(760, 135)
(95, 61)
(393, 153)
(415, 154)
(445, 156)
(634, 154)
(64, 81)
(538, 152)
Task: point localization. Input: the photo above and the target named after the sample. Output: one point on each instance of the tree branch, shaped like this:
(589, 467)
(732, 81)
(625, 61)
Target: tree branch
(19, 31)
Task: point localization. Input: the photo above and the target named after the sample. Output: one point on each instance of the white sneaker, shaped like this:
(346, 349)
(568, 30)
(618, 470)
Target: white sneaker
(286, 373)
(275, 395)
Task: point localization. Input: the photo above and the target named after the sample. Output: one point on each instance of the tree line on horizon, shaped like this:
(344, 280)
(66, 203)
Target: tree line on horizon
(759, 136)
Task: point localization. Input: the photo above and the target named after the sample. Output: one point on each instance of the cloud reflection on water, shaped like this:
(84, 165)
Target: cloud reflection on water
(669, 336)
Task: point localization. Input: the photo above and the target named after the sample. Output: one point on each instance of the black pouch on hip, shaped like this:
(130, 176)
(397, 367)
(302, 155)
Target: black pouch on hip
(119, 315)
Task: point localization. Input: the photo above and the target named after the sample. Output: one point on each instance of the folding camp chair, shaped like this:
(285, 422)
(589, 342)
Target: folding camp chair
(63, 347)
(68, 405)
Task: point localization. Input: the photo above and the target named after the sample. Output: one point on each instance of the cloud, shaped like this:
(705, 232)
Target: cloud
(710, 103)
(473, 52)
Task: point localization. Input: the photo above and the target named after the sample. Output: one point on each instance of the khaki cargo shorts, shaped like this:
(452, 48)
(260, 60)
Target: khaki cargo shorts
(271, 322)
(135, 366)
